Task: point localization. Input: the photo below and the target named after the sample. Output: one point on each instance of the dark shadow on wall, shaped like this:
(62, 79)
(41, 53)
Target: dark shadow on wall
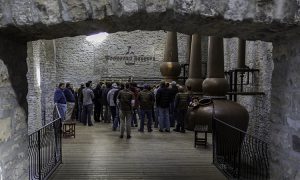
(14, 54)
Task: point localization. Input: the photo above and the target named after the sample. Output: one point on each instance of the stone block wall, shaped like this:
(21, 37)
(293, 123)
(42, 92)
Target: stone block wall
(41, 78)
(79, 60)
(285, 113)
(258, 56)
(13, 110)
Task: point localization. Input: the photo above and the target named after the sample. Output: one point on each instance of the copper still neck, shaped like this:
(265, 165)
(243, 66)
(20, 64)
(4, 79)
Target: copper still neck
(171, 49)
(170, 68)
(241, 54)
(215, 84)
(195, 69)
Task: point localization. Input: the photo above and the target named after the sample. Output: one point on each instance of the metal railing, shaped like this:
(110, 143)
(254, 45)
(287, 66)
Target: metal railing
(45, 149)
(237, 154)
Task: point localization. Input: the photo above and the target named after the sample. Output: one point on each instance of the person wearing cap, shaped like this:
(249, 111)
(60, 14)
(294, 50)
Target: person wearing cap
(182, 100)
(112, 105)
(146, 99)
(163, 100)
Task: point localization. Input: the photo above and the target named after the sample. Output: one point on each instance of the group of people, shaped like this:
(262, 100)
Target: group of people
(121, 104)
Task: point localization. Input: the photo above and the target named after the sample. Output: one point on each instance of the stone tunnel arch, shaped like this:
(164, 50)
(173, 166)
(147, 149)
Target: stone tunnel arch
(274, 21)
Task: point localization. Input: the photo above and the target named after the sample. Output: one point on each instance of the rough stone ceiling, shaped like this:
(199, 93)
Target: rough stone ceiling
(268, 20)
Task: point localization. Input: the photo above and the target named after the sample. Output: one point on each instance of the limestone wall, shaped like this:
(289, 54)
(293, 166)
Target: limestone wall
(78, 60)
(258, 56)
(285, 113)
(41, 78)
(13, 110)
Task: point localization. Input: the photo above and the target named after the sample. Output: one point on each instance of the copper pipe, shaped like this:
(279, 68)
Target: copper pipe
(241, 54)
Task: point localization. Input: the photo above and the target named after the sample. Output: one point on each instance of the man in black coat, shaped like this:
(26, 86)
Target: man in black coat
(163, 100)
(98, 112)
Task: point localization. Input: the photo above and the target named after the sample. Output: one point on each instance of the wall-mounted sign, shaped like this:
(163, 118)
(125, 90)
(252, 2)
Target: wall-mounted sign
(130, 58)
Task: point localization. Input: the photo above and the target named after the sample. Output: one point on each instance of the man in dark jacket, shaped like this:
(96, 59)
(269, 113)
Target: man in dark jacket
(60, 100)
(173, 91)
(107, 114)
(146, 99)
(182, 100)
(68, 92)
(126, 101)
(80, 101)
(98, 103)
(163, 100)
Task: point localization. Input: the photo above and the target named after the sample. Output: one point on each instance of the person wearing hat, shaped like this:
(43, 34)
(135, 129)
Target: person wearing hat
(112, 105)
(146, 99)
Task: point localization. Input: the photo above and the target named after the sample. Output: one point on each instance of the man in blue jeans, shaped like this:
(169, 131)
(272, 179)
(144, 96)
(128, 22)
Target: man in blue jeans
(60, 100)
(163, 100)
(112, 105)
(146, 99)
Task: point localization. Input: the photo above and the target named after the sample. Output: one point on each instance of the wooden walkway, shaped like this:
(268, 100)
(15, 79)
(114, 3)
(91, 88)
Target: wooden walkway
(99, 153)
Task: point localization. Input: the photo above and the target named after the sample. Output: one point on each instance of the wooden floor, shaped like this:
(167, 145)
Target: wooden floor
(99, 153)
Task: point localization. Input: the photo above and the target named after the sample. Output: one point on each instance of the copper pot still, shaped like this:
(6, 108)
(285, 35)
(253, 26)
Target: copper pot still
(229, 112)
(170, 70)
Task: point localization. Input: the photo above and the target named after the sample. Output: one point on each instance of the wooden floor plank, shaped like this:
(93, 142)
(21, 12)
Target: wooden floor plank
(99, 153)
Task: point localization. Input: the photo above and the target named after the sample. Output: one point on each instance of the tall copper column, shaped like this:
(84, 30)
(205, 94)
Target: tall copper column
(241, 54)
(170, 68)
(215, 87)
(195, 68)
(215, 84)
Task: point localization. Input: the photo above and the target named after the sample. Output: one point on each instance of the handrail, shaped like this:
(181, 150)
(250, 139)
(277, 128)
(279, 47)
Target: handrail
(237, 154)
(237, 129)
(45, 149)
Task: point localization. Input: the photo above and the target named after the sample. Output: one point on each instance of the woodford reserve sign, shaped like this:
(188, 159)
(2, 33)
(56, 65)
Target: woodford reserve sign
(130, 58)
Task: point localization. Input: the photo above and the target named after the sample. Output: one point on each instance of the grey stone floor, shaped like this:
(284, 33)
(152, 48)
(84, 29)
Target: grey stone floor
(99, 153)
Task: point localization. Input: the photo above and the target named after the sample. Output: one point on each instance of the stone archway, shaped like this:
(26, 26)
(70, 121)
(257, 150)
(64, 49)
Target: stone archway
(275, 21)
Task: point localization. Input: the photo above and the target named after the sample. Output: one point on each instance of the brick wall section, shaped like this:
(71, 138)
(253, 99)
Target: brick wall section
(285, 113)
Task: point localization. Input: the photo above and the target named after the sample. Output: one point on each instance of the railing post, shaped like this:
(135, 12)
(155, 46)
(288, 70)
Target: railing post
(240, 154)
(39, 154)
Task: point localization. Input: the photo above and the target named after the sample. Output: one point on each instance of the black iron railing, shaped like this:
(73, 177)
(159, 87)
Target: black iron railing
(237, 154)
(45, 149)
(242, 82)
